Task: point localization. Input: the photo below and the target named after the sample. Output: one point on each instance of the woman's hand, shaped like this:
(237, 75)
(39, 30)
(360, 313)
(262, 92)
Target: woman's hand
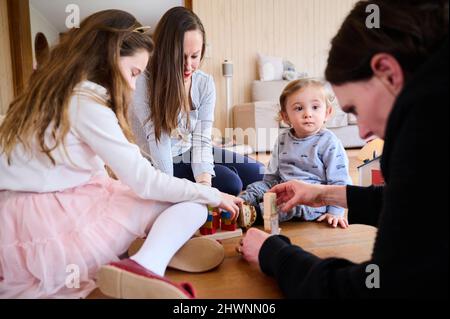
(251, 244)
(333, 220)
(293, 193)
(231, 204)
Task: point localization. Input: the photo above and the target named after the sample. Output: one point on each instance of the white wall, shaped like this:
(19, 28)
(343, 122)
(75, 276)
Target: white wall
(297, 30)
(40, 24)
(146, 11)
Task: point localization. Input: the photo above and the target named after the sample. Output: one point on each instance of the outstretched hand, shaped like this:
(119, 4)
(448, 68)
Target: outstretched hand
(293, 193)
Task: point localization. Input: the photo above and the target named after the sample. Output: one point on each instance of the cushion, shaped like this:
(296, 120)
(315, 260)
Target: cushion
(267, 90)
(338, 118)
(270, 67)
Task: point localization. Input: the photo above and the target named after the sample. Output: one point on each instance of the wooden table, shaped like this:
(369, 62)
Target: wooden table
(235, 278)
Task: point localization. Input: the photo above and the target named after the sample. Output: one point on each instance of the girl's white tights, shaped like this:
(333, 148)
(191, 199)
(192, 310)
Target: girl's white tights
(172, 229)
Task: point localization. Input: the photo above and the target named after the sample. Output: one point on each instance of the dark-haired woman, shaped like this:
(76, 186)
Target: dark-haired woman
(173, 110)
(395, 80)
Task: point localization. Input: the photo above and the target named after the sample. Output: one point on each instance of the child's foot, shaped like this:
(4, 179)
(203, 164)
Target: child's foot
(198, 254)
(128, 280)
(247, 216)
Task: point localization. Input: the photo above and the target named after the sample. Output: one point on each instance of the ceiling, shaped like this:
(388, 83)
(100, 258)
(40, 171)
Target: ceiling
(148, 12)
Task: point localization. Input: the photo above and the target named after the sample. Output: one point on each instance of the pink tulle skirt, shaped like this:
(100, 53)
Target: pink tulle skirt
(52, 244)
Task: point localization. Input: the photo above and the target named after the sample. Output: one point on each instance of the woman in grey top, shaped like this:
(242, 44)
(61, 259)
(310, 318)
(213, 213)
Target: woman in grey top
(173, 110)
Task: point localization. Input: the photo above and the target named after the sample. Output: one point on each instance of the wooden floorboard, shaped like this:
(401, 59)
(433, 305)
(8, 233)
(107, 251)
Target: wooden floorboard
(235, 278)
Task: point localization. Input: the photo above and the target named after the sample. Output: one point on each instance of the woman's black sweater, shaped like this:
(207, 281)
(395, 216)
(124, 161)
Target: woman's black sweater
(411, 211)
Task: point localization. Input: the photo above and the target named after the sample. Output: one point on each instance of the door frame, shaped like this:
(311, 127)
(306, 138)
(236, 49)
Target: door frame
(188, 4)
(20, 43)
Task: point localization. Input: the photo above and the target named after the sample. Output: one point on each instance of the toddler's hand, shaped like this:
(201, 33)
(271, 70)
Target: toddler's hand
(334, 220)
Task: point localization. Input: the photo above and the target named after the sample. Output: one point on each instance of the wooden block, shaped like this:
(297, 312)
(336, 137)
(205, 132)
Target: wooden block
(208, 225)
(228, 227)
(207, 231)
(270, 205)
(271, 225)
(274, 229)
(247, 215)
(213, 210)
(267, 225)
(216, 220)
(226, 215)
(377, 177)
(222, 234)
(225, 222)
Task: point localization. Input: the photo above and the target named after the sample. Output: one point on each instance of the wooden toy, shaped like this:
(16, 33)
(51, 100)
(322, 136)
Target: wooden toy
(226, 222)
(372, 149)
(212, 223)
(247, 215)
(219, 225)
(270, 213)
(370, 172)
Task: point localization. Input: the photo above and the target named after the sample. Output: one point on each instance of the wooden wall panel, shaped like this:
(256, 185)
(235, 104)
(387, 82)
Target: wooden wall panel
(188, 4)
(297, 30)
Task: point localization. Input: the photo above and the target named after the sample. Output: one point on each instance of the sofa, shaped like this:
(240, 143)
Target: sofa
(256, 123)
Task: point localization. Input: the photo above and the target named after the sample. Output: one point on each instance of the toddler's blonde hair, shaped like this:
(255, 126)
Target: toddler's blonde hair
(296, 85)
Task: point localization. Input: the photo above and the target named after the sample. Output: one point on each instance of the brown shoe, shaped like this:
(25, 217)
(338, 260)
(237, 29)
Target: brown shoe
(198, 254)
(127, 279)
(247, 216)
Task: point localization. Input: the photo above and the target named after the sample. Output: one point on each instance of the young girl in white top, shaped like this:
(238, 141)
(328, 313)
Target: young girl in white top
(61, 217)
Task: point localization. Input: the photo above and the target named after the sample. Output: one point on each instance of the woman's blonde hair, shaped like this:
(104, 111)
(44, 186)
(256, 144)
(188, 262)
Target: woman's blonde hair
(91, 53)
(300, 84)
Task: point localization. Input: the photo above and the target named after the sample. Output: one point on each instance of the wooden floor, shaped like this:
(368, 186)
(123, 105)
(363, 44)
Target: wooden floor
(235, 278)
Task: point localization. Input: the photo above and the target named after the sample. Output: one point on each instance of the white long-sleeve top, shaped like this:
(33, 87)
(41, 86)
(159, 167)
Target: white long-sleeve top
(95, 139)
(197, 138)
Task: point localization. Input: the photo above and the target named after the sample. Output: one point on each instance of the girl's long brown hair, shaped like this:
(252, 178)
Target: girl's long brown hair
(166, 83)
(90, 52)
